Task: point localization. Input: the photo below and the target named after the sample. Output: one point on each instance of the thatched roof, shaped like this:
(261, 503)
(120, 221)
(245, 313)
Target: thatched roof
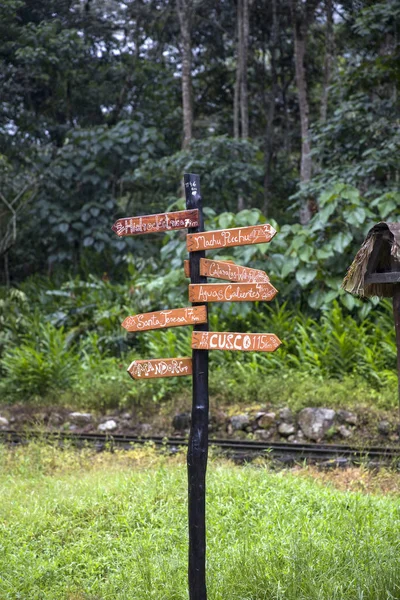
(385, 238)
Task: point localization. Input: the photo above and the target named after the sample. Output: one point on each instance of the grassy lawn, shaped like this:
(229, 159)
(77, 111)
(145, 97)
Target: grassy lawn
(80, 526)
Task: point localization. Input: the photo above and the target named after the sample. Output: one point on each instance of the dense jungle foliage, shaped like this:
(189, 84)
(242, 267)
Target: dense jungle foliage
(288, 110)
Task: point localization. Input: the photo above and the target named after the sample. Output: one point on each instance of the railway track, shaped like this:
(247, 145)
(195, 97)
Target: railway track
(237, 449)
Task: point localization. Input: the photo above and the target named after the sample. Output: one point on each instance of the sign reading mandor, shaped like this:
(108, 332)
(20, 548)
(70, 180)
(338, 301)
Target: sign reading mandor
(159, 367)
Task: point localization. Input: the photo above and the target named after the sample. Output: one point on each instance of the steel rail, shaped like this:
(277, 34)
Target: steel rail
(297, 451)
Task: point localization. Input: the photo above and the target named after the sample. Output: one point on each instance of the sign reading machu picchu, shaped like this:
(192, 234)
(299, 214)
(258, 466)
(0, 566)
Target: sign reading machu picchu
(183, 219)
(226, 238)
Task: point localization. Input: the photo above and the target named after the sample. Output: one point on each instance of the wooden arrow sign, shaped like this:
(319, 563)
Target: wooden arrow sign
(182, 219)
(221, 269)
(235, 292)
(166, 318)
(225, 238)
(247, 342)
(160, 367)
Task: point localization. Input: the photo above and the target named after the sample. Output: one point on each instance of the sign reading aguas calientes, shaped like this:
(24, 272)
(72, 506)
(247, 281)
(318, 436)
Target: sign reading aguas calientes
(166, 318)
(247, 342)
(231, 292)
(160, 367)
(225, 238)
(183, 219)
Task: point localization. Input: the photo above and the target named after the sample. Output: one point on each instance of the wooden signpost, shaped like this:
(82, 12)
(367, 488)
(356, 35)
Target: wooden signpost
(247, 285)
(223, 269)
(231, 292)
(166, 318)
(160, 367)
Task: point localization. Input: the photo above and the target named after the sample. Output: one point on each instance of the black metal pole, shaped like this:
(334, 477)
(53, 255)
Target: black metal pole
(198, 439)
(396, 314)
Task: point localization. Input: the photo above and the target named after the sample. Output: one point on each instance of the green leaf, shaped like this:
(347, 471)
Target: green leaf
(305, 276)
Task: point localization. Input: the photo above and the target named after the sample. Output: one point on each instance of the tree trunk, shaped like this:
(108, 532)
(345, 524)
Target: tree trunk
(269, 132)
(185, 13)
(329, 50)
(236, 98)
(244, 100)
(241, 102)
(301, 19)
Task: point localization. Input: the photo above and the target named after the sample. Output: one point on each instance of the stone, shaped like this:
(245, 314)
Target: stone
(285, 414)
(384, 427)
(4, 423)
(181, 421)
(56, 419)
(265, 420)
(109, 425)
(264, 434)
(314, 422)
(286, 429)
(344, 431)
(79, 418)
(240, 422)
(145, 429)
(126, 416)
(345, 416)
(292, 438)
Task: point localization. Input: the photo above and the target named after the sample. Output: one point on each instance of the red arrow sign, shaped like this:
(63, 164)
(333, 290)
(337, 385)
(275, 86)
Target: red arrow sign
(160, 367)
(166, 318)
(182, 219)
(231, 292)
(225, 238)
(247, 342)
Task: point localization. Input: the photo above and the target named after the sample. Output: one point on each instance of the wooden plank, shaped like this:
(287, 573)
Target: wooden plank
(166, 318)
(235, 292)
(160, 367)
(226, 238)
(224, 270)
(388, 277)
(183, 219)
(247, 342)
(186, 266)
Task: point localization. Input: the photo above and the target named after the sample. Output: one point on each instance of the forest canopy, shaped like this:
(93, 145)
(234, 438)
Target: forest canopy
(288, 109)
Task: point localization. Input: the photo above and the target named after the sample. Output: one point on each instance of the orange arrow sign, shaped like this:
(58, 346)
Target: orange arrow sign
(166, 318)
(257, 342)
(224, 270)
(225, 238)
(186, 266)
(160, 367)
(182, 219)
(235, 292)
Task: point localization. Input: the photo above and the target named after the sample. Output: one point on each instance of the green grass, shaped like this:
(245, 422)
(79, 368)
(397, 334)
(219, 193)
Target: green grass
(78, 527)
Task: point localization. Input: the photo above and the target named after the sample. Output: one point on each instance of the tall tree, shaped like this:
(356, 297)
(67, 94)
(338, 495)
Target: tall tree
(185, 15)
(329, 49)
(271, 104)
(302, 16)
